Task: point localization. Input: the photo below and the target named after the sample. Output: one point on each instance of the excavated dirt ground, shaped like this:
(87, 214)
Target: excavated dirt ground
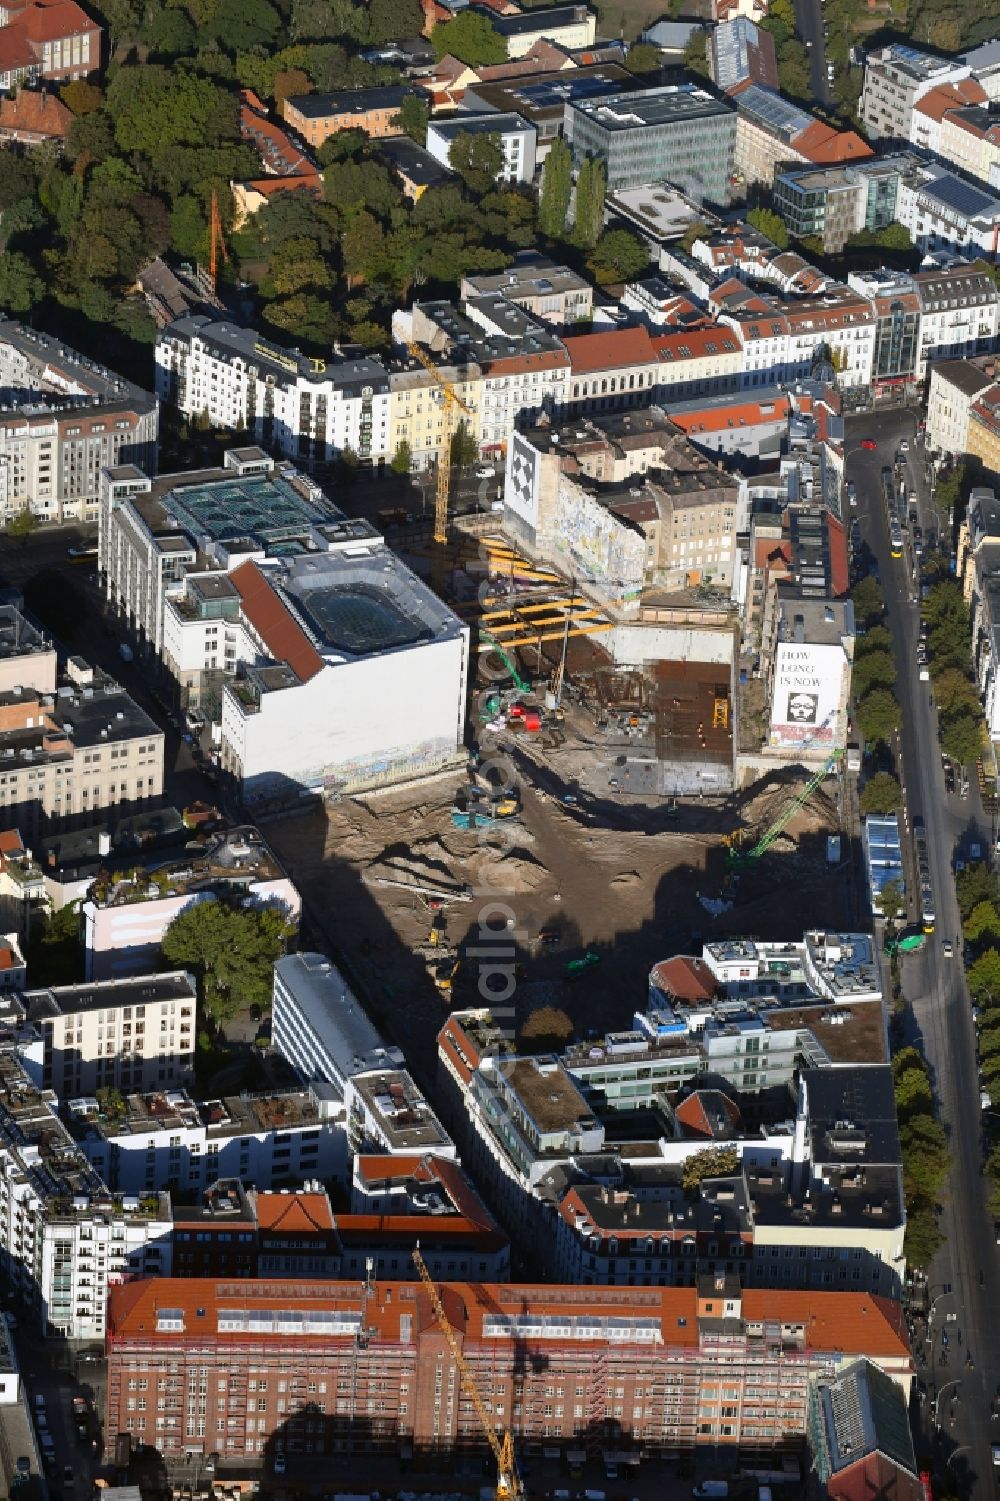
(629, 895)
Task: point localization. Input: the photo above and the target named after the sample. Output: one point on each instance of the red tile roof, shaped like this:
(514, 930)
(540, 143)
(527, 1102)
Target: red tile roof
(875, 1475)
(694, 1116)
(876, 1326)
(11, 842)
(853, 1323)
(840, 568)
(297, 1213)
(822, 144)
(16, 51)
(35, 113)
(50, 20)
(946, 96)
(695, 343)
(275, 624)
(610, 351)
(742, 413)
(686, 978)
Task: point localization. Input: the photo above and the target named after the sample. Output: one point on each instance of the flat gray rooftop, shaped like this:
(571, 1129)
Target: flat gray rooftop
(651, 107)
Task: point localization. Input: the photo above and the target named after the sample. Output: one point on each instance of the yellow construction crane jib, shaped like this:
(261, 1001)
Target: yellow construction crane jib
(452, 401)
(508, 1483)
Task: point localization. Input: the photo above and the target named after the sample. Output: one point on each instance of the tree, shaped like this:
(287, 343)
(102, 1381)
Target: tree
(874, 669)
(962, 738)
(470, 38)
(618, 256)
(478, 158)
(414, 113)
(877, 638)
(893, 237)
(954, 692)
(696, 230)
(464, 448)
(869, 603)
(54, 952)
(975, 884)
(696, 54)
(878, 715)
(770, 224)
(556, 190)
(891, 900)
(982, 923)
(156, 108)
(913, 1094)
(949, 488)
(983, 977)
(22, 524)
(588, 215)
(882, 794)
(714, 1162)
(642, 57)
(231, 951)
(545, 1030)
(82, 97)
(20, 285)
(241, 25)
(402, 460)
(290, 83)
(388, 20)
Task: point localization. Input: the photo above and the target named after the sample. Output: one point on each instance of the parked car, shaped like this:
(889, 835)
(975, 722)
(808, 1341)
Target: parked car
(868, 443)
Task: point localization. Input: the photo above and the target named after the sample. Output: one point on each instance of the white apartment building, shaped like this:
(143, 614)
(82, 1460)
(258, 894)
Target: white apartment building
(970, 140)
(63, 418)
(945, 212)
(954, 386)
(959, 314)
(896, 77)
(517, 137)
(359, 677)
(302, 407)
(64, 1238)
(387, 1113)
(319, 1026)
(122, 1034)
(153, 532)
(127, 912)
(144, 1143)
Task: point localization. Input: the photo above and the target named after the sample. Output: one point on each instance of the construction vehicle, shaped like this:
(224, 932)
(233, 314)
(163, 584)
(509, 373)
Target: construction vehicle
(452, 402)
(491, 702)
(578, 966)
(509, 1487)
(443, 972)
(472, 818)
(740, 857)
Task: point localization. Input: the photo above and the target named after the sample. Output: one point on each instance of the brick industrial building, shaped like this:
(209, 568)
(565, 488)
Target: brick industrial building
(231, 1367)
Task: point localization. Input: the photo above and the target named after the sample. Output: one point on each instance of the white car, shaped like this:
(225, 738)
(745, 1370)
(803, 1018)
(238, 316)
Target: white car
(486, 471)
(948, 949)
(904, 447)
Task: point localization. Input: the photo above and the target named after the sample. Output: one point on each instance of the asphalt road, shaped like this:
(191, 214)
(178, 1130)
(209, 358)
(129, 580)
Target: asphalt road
(809, 25)
(969, 1262)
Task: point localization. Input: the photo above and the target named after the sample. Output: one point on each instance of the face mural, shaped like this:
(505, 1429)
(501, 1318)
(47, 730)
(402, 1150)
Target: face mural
(802, 708)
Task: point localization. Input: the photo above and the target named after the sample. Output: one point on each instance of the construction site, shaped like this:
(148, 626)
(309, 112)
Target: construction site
(597, 825)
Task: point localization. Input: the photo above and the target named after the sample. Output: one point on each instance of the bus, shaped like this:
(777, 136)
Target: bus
(896, 540)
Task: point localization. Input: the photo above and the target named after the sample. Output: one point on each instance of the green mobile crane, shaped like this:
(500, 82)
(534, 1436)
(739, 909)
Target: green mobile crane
(738, 858)
(491, 701)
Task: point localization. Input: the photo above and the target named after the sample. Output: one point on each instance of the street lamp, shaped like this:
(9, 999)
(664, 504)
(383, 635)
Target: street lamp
(938, 1399)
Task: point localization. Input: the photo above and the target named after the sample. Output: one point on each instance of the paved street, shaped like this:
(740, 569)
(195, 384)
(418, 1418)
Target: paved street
(809, 25)
(969, 1262)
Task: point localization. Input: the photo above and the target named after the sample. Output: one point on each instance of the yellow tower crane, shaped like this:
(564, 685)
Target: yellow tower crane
(509, 1486)
(452, 403)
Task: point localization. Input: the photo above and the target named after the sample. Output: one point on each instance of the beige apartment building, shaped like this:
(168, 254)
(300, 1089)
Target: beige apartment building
(135, 1034)
(954, 386)
(66, 758)
(417, 407)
